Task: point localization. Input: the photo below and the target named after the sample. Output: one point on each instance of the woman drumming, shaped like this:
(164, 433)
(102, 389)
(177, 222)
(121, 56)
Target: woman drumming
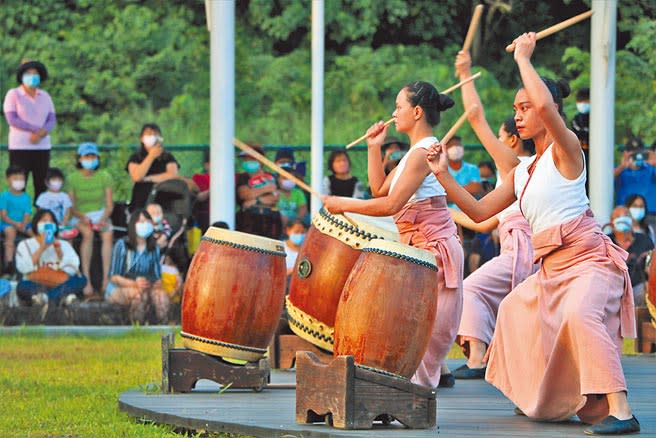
(484, 289)
(557, 343)
(418, 202)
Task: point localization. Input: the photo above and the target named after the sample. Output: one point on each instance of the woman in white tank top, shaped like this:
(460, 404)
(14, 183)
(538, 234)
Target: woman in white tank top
(417, 200)
(557, 344)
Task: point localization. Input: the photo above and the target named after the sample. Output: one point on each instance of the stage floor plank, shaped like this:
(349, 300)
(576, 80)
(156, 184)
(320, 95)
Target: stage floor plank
(471, 408)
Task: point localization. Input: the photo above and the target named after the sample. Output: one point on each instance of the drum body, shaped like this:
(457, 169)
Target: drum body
(234, 294)
(387, 308)
(650, 267)
(330, 250)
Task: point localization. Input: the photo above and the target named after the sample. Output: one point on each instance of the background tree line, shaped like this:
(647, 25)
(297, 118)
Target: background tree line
(114, 65)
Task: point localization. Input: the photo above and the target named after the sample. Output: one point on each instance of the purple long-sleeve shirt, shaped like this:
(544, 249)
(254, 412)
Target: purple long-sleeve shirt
(26, 115)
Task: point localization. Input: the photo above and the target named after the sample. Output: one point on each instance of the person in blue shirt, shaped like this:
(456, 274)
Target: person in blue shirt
(466, 174)
(15, 213)
(635, 176)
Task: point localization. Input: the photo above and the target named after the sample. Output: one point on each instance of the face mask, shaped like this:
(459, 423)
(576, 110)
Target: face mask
(455, 153)
(89, 164)
(639, 160)
(297, 239)
(250, 166)
(149, 140)
(55, 184)
(637, 212)
(156, 219)
(143, 229)
(287, 184)
(31, 80)
(396, 155)
(18, 184)
(623, 224)
(583, 108)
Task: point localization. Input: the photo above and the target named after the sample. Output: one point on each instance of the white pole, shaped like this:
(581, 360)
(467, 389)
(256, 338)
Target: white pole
(602, 107)
(222, 111)
(317, 98)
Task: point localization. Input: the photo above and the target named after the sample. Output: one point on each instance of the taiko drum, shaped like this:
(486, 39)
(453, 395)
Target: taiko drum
(330, 250)
(234, 294)
(387, 308)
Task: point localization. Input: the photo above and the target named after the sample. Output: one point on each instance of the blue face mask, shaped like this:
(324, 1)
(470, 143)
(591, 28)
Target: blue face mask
(583, 108)
(89, 164)
(623, 224)
(396, 155)
(31, 80)
(250, 166)
(143, 229)
(297, 239)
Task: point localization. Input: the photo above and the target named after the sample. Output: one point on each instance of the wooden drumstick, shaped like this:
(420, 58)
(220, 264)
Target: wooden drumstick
(473, 26)
(555, 28)
(447, 91)
(451, 132)
(264, 160)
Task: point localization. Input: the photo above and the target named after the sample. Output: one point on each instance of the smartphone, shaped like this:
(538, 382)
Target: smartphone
(49, 233)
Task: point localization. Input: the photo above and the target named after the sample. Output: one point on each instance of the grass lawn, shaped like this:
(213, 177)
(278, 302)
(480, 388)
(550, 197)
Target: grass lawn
(68, 386)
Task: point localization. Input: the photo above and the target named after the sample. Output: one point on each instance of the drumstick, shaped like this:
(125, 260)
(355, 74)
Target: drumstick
(473, 26)
(555, 28)
(451, 132)
(264, 160)
(447, 91)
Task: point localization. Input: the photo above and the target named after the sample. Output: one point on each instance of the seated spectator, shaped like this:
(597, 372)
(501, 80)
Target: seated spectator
(15, 212)
(257, 195)
(466, 174)
(150, 165)
(638, 208)
(634, 176)
(58, 202)
(202, 205)
(50, 266)
(637, 245)
(161, 227)
(285, 158)
(341, 182)
(488, 174)
(135, 274)
(392, 151)
(295, 231)
(91, 193)
(292, 203)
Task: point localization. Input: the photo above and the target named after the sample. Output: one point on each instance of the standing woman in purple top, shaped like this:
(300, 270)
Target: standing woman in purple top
(31, 116)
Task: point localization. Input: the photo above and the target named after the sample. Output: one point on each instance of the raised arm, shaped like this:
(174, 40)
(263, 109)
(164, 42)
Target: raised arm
(504, 157)
(375, 138)
(567, 147)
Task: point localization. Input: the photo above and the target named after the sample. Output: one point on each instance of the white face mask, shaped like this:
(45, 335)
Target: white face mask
(18, 184)
(149, 140)
(583, 108)
(638, 213)
(55, 184)
(455, 153)
(287, 184)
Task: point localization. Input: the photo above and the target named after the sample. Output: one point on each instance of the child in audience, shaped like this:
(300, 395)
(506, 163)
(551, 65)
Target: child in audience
(58, 202)
(15, 212)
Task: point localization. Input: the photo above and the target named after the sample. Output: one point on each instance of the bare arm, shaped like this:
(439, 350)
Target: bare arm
(504, 157)
(109, 204)
(483, 227)
(376, 172)
(567, 148)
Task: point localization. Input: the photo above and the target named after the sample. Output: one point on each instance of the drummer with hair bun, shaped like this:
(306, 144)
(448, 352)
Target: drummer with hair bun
(418, 202)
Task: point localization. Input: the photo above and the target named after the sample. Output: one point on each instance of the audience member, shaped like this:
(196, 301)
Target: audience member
(150, 165)
(135, 274)
(257, 195)
(634, 176)
(295, 231)
(161, 227)
(50, 266)
(392, 151)
(637, 245)
(15, 212)
(58, 202)
(31, 116)
(488, 174)
(581, 127)
(292, 203)
(202, 205)
(638, 208)
(91, 192)
(341, 182)
(466, 174)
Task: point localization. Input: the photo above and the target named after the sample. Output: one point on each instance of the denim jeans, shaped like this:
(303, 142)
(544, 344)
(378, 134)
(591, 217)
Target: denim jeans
(74, 285)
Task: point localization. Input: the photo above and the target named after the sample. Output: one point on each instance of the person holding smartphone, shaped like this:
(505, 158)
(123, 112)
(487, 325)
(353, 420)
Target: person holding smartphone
(50, 256)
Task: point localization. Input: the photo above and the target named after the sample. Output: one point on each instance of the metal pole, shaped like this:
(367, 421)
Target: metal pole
(222, 111)
(602, 107)
(317, 98)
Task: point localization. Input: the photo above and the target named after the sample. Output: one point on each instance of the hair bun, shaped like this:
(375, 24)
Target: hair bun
(445, 102)
(564, 88)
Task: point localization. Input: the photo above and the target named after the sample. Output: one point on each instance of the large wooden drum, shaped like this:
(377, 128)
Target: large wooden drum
(387, 308)
(234, 294)
(330, 250)
(650, 267)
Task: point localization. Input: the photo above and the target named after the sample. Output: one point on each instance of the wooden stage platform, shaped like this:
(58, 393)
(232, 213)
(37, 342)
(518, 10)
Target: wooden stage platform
(471, 408)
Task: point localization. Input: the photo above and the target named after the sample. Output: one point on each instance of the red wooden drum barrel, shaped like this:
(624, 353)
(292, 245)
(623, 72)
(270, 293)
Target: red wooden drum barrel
(330, 250)
(387, 308)
(650, 267)
(234, 294)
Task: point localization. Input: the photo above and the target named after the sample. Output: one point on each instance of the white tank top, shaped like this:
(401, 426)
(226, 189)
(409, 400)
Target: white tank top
(515, 205)
(430, 186)
(549, 198)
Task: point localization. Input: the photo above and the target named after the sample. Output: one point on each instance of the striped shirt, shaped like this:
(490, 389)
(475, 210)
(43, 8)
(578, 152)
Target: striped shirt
(132, 264)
